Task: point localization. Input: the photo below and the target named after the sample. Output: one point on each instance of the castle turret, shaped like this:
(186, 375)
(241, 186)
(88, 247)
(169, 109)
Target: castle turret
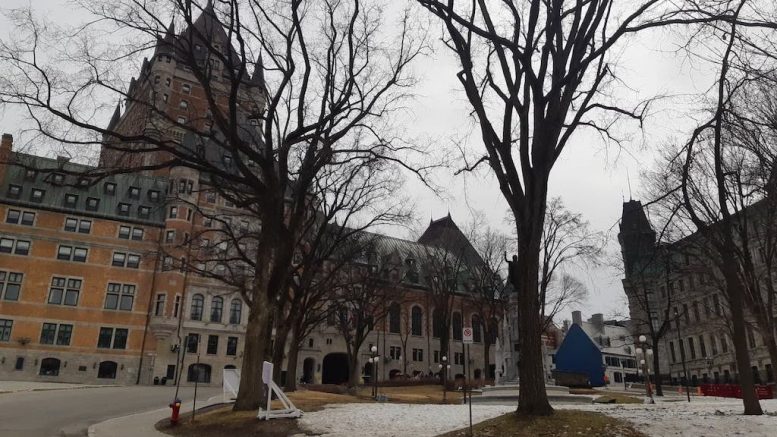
(636, 237)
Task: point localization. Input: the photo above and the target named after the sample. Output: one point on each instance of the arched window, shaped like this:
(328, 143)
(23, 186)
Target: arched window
(49, 367)
(457, 326)
(199, 373)
(198, 302)
(493, 331)
(107, 370)
(394, 313)
(477, 335)
(417, 321)
(216, 309)
(438, 324)
(235, 311)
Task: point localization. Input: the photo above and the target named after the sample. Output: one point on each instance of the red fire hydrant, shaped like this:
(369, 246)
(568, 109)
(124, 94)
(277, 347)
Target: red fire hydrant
(176, 406)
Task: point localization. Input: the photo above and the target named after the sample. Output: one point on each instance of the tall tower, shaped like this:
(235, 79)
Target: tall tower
(636, 237)
(169, 101)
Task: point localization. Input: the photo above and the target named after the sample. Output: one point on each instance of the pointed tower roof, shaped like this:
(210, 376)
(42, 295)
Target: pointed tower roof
(166, 44)
(115, 117)
(257, 78)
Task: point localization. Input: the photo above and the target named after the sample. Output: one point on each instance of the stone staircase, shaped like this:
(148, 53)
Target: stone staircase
(507, 394)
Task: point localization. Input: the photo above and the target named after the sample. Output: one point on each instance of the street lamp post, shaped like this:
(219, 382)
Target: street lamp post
(444, 368)
(374, 360)
(646, 353)
(682, 353)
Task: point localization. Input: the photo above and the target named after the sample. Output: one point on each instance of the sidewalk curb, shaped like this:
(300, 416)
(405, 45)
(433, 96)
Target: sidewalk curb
(144, 428)
(28, 390)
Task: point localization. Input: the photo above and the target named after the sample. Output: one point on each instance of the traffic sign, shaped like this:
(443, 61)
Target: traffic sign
(466, 334)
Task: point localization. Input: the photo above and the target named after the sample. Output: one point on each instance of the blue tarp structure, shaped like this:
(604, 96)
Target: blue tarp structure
(579, 354)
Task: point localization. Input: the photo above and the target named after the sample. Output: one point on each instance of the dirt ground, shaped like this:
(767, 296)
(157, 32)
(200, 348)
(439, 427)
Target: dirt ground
(222, 421)
(563, 423)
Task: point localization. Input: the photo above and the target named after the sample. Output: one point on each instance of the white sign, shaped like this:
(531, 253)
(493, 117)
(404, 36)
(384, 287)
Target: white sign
(466, 334)
(230, 384)
(266, 372)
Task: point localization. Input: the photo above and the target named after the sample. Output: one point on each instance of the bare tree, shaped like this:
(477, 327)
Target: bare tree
(366, 294)
(326, 76)
(535, 73)
(490, 289)
(706, 167)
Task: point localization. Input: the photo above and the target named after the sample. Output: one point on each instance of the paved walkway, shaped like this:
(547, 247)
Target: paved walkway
(142, 424)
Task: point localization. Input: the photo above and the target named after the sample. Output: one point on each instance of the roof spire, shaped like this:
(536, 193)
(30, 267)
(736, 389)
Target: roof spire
(257, 78)
(115, 117)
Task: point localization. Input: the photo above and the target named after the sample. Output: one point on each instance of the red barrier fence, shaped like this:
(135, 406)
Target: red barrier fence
(734, 390)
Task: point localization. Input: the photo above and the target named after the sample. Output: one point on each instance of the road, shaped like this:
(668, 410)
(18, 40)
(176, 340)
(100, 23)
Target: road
(70, 412)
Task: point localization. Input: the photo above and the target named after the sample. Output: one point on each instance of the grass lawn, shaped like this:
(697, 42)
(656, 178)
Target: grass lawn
(417, 394)
(562, 423)
(222, 421)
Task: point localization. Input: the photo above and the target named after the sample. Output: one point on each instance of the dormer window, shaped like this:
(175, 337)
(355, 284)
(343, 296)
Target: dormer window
(37, 195)
(14, 191)
(183, 104)
(92, 203)
(186, 88)
(153, 195)
(124, 209)
(109, 188)
(30, 174)
(71, 200)
(83, 182)
(144, 212)
(57, 178)
(181, 120)
(134, 193)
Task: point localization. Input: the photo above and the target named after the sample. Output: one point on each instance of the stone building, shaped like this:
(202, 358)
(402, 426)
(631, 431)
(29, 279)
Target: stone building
(77, 270)
(100, 279)
(674, 286)
(323, 356)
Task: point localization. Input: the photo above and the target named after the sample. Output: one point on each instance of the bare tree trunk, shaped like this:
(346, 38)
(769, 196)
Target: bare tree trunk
(656, 369)
(486, 358)
(251, 392)
(354, 372)
(532, 397)
(739, 338)
(279, 349)
(291, 366)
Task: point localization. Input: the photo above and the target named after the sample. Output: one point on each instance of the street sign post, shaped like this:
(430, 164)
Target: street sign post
(466, 335)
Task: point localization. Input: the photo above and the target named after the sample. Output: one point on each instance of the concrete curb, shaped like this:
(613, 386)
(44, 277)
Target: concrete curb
(142, 424)
(31, 389)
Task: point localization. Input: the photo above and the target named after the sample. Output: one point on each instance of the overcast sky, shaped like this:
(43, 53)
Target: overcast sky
(591, 178)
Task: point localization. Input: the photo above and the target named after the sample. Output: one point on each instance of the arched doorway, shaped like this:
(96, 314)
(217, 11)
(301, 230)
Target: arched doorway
(230, 366)
(308, 367)
(107, 370)
(394, 374)
(198, 373)
(335, 369)
(367, 373)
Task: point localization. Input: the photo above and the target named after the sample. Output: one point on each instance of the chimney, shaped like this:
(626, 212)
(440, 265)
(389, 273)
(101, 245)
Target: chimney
(6, 146)
(577, 318)
(598, 321)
